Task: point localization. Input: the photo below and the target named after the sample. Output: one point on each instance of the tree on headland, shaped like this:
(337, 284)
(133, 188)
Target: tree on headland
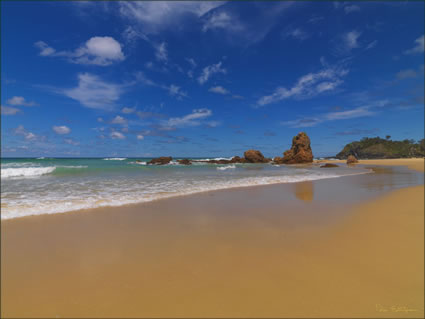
(376, 147)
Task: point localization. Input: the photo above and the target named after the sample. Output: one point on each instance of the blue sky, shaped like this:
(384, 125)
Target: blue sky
(207, 78)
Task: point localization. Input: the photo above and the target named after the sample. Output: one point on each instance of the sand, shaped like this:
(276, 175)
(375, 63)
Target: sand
(342, 248)
(412, 163)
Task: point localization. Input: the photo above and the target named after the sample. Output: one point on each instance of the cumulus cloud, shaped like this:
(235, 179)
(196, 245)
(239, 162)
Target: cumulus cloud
(20, 130)
(117, 135)
(93, 92)
(61, 129)
(19, 101)
(6, 110)
(219, 90)
(119, 120)
(97, 50)
(140, 137)
(308, 85)
(210, 70)
(350, 40)
(192, 119)
(418, 48)
(128, 110)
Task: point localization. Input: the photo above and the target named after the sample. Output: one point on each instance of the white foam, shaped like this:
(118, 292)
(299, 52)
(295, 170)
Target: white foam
(26, 171)
(138, 163)
(115, 159)
(65, 198)
(223, 168)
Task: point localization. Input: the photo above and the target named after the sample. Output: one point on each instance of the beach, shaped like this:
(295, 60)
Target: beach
(344, 247)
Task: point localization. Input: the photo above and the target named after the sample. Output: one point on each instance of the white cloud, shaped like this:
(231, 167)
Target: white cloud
(371, 45)
(175, 90)
(97, 50)
(100, 119)
(219, 90)
(71, 141)
(210, 70)
(418, 48)
(140, 137)
(362, 111)
(19, 101)
(20, 130)
(94, 93)
(351, 8)
(61, 129)
(222, 20)
(307, 86)
(192, 62)
(161, 53)
(128, 110)
(192, 119)
(6, 110)
(119, 120)
(155, 16)
(406, 74)
(350, 40)
(117, 135)
(296, 33)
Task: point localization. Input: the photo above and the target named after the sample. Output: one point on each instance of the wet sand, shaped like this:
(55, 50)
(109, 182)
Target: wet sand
(344, 247)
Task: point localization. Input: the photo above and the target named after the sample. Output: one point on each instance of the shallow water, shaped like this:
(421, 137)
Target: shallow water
(49, 185)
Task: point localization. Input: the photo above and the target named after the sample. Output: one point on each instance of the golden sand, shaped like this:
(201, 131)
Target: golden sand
(412, 163)
(221, 254)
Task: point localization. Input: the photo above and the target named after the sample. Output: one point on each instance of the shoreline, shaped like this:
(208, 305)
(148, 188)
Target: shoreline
(329, 248)
(412, 163)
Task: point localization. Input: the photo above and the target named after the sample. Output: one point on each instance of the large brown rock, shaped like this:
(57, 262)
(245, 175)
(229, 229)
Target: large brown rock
(254, 156)
(300, 151)
(160, 160)
(278, 160)
(352, 159)
(184, 161)
(328, 165)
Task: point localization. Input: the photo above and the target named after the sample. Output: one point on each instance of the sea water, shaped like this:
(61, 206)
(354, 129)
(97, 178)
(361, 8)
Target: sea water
(34, 186)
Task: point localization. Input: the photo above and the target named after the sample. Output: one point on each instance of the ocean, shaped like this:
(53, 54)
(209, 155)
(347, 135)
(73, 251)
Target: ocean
(35, 186)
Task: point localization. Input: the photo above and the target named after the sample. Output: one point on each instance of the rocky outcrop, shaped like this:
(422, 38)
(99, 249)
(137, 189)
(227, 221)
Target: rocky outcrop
(328, 165)
(184, 161)
(278, 160)
(254, 156)
(237, 159)
(160, 160)
(352, 160)
(300, 151)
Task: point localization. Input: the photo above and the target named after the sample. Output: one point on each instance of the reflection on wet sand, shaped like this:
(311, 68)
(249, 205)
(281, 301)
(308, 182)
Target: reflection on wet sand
(304, 191)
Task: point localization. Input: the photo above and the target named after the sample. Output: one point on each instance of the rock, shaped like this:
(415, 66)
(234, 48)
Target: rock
(160, 160)
(278, 160)
(237, 159)
(254, 156)
(328, 165)
(184, 161)
(300, 151)
(352, 159)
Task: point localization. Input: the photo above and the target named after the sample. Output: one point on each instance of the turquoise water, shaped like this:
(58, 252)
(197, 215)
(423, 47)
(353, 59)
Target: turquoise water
(34, 186)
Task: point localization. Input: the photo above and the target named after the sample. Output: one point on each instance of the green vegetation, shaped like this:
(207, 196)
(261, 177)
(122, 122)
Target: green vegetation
(377, 147)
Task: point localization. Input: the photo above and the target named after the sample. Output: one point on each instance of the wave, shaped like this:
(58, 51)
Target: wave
(115, 158)
(138, 163)
(121, 195)
(26, 171)
(222, 168)
(32, 171)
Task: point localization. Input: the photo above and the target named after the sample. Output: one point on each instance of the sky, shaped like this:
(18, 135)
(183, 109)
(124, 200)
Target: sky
(195, 79)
